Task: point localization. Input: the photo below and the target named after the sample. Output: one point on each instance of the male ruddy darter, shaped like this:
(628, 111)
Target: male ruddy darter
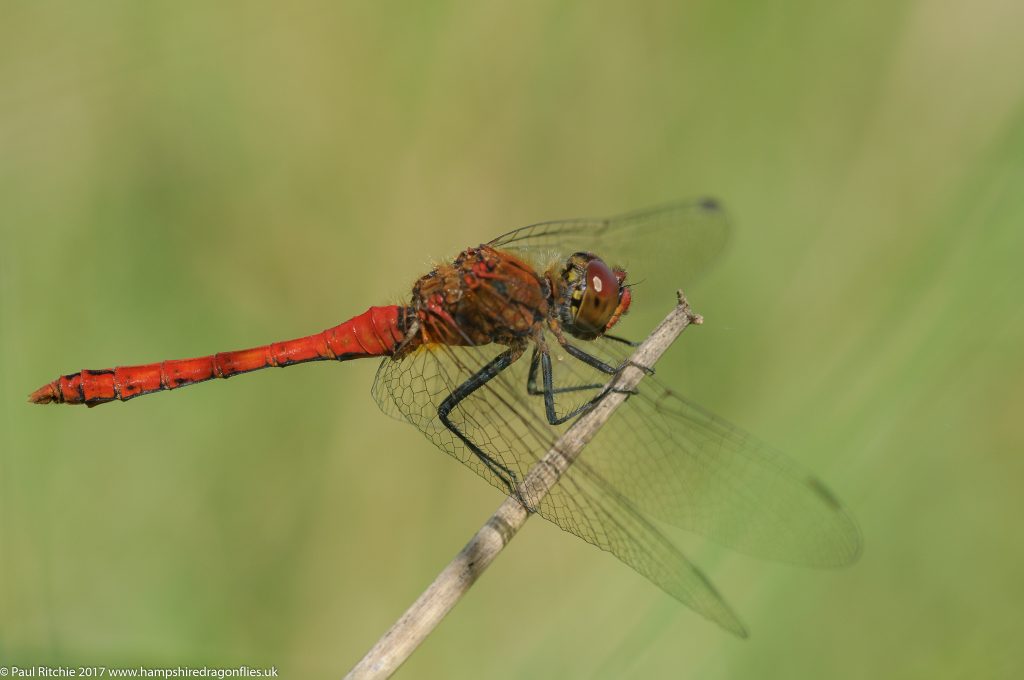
(455, 366)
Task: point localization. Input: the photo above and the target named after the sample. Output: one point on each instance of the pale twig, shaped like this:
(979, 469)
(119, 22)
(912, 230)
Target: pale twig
(454, 581)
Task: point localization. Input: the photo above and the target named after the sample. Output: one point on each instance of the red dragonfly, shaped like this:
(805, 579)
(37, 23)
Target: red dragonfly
(455, 366)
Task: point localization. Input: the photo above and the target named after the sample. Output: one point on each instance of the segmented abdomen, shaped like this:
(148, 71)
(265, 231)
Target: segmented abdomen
(376, 332)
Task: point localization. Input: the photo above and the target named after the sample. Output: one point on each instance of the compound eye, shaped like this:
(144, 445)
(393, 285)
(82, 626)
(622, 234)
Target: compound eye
(600, 297)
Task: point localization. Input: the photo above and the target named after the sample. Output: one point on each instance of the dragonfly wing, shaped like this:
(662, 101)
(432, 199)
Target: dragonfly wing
(414, 388)
(382, 393)
(700, 472)
(682, 464)
(585, 504)
(667, 246)
(510, 426)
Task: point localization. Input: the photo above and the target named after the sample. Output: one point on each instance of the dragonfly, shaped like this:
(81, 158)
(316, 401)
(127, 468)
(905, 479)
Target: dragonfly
(499, 350)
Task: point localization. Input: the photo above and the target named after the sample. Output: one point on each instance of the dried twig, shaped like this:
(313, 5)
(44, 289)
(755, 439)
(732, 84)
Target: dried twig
(451, 584)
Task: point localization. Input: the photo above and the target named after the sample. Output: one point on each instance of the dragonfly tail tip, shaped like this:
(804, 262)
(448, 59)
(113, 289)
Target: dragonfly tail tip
(44, 395)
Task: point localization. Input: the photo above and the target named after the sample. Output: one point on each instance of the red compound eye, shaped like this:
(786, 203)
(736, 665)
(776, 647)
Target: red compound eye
(600, 298)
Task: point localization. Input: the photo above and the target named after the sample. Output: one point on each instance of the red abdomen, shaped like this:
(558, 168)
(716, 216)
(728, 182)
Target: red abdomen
(376, 332)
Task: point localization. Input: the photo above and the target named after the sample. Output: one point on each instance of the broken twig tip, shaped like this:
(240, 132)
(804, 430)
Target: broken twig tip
(695, 319)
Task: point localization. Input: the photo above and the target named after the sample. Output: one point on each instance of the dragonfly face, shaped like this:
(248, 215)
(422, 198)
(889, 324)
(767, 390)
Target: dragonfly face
(593, 296)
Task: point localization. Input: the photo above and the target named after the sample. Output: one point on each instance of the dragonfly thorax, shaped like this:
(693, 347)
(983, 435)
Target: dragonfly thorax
(484, 296)
(592, 296)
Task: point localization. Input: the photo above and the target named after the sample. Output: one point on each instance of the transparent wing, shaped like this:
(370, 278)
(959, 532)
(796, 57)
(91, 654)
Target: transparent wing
(718, 480)
(660, 456)
(415, 386)
(501, 419)
(666, 247)
(682, 464)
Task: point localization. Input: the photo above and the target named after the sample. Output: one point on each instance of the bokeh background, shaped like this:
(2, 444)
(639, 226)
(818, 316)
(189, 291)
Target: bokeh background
(182, 178)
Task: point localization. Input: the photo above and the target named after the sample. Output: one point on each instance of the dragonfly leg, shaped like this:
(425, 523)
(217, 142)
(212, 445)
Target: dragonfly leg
(648, 370)
(590, 360)
(549, 394)
(616, 338)
(475, 382)
(541, 358)
(531, 380)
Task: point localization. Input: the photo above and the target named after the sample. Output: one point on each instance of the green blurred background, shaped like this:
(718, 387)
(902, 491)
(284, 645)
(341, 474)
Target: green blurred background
(182, 178)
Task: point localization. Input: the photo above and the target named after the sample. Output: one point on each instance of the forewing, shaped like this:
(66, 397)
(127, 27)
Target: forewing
(510, 426)
(682, 464)
(699, 472)
(664, 247)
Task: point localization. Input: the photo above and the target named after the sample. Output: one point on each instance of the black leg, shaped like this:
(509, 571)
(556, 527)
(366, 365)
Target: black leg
(624, 341)
(543, 358)
(475, 382)
(549, 395)
(591, 360)
(531, 380)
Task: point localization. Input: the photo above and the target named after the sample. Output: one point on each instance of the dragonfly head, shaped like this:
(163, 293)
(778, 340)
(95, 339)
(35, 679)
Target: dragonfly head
(595, 296)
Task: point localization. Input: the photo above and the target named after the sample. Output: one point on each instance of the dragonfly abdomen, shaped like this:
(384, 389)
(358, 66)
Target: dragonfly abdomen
(375, 332)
